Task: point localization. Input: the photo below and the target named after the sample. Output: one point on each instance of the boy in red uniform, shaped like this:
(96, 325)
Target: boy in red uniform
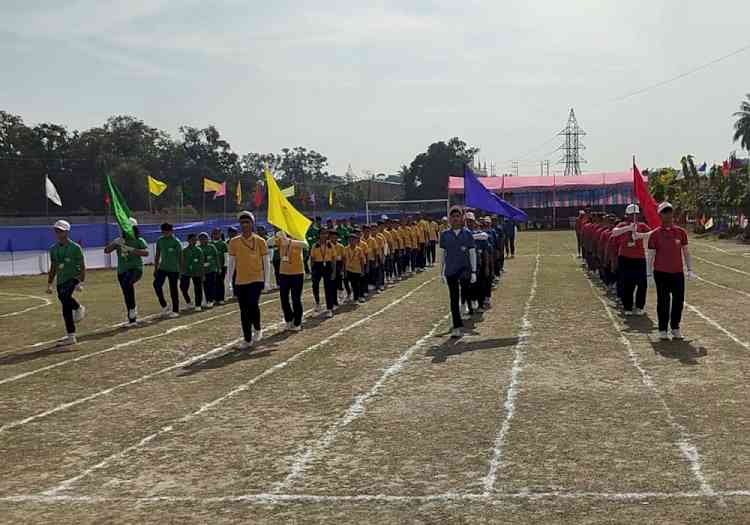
(667, 256)
(632, 261)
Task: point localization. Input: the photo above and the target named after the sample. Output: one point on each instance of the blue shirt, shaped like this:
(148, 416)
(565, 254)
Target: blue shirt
(457, 248)
(509, 228)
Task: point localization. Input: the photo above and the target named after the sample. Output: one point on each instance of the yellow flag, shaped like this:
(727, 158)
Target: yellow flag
(288, 192)
(210, 185)
(239, 193)
(156, 187)
(709, 224)
(330, 198)
(282, 214)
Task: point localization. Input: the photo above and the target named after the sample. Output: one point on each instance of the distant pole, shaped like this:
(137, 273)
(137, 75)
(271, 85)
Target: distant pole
(182, 204)
(203, 214)
(46, 199)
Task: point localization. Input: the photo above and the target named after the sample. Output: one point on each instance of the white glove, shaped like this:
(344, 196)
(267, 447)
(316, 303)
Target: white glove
(444, 279)
(79, 287)
(473, 277)
(230, 291)
(691, 275)
(49, 288)
(125, 249)
(119, 241)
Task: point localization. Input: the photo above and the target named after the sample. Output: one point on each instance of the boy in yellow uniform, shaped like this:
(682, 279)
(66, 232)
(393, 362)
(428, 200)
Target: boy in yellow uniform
(389, 271)
(291, 279)
(355, 262)
(381, 255)
(434, 231)
(323, 255)
(339, 270)
(248, 258)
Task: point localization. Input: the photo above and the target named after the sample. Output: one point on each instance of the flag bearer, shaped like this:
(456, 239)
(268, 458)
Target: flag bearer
(130, 254)
(459, 263)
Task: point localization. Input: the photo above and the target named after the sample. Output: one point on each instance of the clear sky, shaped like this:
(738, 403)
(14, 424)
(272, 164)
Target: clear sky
(373, 83)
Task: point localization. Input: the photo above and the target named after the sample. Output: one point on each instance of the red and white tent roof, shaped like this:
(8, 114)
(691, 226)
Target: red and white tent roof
(536, 183)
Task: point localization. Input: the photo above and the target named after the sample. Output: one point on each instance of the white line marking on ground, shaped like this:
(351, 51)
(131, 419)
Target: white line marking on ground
(282, 499)
(725, 267)
(519, 349)
(356, 410)
(45, 302)
(687, 448)
(716, 325)
(741, 292)
(65, 485)
(712, 247)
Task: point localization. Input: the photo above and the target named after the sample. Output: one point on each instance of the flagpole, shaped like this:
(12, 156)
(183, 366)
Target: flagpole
(182, 203)
(203, 214)
(46, 199)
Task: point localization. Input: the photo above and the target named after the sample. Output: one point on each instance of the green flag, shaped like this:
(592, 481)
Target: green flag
(119, 207)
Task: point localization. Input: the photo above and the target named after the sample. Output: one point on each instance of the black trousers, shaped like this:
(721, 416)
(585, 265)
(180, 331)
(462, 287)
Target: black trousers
(277, 270)
(433, 252)
(248, 296)
(633, 278)
(174, 277)
(510, 246)
(670, 299)
(291, 285)
(197, 288)
(457, 289)
(69, 305)
(220, 293)
(355, 279)
(127, 284)
(329, 289)
(317, 275)
(364, 280)
(209, 286)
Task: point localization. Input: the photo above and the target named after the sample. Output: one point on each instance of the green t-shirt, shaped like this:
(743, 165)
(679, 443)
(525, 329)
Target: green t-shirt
(69, 259)
(313, 234)
(343, 232)
(222, 248)
(210, 258)
(131, 261)
(170, 251)
(193, 259)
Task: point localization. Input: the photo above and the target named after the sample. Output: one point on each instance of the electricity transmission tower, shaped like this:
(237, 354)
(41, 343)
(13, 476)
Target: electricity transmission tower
(572, 146)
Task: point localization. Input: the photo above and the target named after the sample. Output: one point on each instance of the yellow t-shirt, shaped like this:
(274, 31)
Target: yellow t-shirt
(372, 247)
(248, 254)
(433, 231)
(291, 258)
(354, 259)
(381, 244)
(339, 251)
(324, 254)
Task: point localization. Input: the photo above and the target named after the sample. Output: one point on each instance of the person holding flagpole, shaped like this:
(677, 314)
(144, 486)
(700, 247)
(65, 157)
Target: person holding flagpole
(459, 264)
(291, 278)
(130, 253)
(248, 256)
(69, 267)
(631, 258)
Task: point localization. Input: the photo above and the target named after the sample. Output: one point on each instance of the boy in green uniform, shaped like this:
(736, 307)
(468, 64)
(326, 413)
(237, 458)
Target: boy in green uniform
(210, 268)
(192, 270)
(130, 254)
(167, 266)
(221, 247)
(68, 265)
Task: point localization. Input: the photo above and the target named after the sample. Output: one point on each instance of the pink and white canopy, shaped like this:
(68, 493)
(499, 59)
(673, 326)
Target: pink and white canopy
(536, 183)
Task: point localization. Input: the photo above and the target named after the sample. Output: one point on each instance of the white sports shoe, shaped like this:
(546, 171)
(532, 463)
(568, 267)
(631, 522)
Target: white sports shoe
(464, 309)
(318, 308)
(628, 313)
(663, 335)
(198, 309)
(639, 311)
(68, 340)
(132, 315)
(361, 300)
(189, 306)
(79, 314)
(173, 315)
(677, 335)
(245, 345)
(329, 314)
(296, 328)
(257, 336)
(209, 305)
(165, 312)
(290, 325)
(456, 333)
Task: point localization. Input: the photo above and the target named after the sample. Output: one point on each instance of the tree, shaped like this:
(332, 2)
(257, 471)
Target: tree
(427, 175)
(742, 125)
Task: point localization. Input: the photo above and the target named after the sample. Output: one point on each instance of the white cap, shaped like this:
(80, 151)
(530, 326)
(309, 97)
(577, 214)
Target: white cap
(470, 216)
(665, 206)
(384, 217)
(632, 209)
(133, 222)
(445, 218)
(62, 225)
(243, 214)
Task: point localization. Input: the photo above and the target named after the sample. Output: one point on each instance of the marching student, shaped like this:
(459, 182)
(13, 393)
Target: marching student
(217, 239)
(434, 231)
(192, 271)
(459, 263)
(211, 269)
(632, 261)
(68, 265)
(338, 284)
(382, 244)
(248, 256)
(499, 247)
(167, 262)
(291, 279)
(509, 227)
(355, 261)
(316, 265)
(323, 255)
(667, 257)
(130, 254)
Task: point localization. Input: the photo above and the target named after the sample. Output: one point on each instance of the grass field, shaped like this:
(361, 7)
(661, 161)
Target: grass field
(553, 409)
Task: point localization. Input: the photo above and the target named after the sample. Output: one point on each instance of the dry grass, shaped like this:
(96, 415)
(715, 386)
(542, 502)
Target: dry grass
(600, 423)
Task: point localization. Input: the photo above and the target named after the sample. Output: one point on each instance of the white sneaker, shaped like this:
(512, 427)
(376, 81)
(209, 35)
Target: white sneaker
(189, 306)
(132, 315)
(209, 305)
(329, 314)
(361, 300)
(219, 303)
(628, 313)
(290, 325)
(639, 311)
(677, 335)
(464, 309)
(79, 314)
(173, 315)
(68, 340)
(456, 333)
(318, 308)
(198, 309)
(245, 345)
(257, 336)
(296, 328)
(474, 305)
(663, 335)
(165, 312)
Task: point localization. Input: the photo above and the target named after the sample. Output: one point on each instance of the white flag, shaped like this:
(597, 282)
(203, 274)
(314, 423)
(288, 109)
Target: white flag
(52, 192)
(288, 192)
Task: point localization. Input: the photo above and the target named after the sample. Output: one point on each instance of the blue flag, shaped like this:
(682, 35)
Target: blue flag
(702, 168)
(477, 196)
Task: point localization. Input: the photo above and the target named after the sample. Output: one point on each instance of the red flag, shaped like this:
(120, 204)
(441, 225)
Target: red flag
(258, 195)
(647, 202)
(725, 168)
